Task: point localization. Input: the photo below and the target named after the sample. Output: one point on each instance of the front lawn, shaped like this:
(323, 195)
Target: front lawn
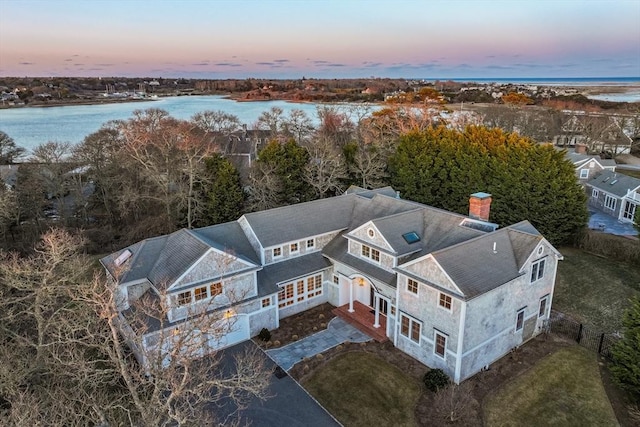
(565, 389)
(360, 389)
(595, 290)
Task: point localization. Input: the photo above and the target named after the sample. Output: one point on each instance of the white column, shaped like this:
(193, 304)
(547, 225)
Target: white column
(351, 310)
(376, 301)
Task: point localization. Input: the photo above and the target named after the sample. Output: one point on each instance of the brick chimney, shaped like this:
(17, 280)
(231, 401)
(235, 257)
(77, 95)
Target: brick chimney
(480, 206)
(581, 149)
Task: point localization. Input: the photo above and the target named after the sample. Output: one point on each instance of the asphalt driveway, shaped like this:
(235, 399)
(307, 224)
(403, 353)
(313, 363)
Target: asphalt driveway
(289, 405)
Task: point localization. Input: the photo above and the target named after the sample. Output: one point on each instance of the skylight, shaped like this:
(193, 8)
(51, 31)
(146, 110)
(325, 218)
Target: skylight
(613, 182)
(122, 258)
(411, 237)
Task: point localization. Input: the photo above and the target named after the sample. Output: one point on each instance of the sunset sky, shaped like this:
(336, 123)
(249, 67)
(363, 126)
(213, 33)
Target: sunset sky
(320, 38)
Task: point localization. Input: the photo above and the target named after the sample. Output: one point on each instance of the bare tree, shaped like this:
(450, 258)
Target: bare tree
(54, 162)
(298, 125)
(217, 122)
(454, 401)
(9, 151)
(264, 187)
(369, 165)
(271, 120)
(67, 358)
(326, 167)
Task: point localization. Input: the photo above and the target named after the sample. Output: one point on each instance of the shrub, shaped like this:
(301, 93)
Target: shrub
(435, 379)
(264, 334)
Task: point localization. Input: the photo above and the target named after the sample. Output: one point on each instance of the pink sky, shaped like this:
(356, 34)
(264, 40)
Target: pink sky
(345, 38)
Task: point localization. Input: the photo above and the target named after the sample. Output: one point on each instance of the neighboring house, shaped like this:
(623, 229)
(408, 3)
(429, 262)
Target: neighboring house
(600, 133)
(587, 166)
(615, 194)
(452, 291)
(9, 175)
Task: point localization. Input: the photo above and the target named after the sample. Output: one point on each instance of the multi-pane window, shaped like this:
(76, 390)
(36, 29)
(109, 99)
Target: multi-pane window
(542, 311)
(184, 298)
(609, 202)
(299, 291)
(366, 251)
(370, 253)
(336, 279)
(584, 173)
(537, 270)
(520, 320)
(595, 193)
(293, 248)
(445, 301)
(266, 302)
(200, 293)
(412, 286)
(440, 345)
(277, 252)
(410, 328)
(215, 289)
(311, 243)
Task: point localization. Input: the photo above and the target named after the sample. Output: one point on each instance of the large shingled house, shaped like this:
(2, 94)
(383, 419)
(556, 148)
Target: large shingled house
(455, 292)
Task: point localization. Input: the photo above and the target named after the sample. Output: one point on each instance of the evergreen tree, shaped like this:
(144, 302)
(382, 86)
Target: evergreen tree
(289, 161)
(626, 352)
(442, 167)
(223, 198)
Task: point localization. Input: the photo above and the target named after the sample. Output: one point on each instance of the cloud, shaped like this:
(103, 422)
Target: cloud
(104, 65)
(200, 64)
(319, 62)
(26, 63)
(369, 64)
(281, 60)
(228, 64)
(265, 63)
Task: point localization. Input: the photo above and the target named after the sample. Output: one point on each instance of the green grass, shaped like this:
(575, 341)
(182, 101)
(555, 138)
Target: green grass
(360, 389)
(564, 389)
(595, 290)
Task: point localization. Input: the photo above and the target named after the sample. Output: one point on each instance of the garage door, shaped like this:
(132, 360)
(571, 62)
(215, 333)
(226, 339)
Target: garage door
(233, 331)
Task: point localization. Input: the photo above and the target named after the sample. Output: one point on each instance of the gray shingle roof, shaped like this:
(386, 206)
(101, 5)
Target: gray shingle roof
(476, 268)
(228, 237)
(271, 275)
(337, 250)
(289, 223)
(614, 182)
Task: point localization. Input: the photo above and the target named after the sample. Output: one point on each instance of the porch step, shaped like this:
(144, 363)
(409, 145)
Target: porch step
(362, 320)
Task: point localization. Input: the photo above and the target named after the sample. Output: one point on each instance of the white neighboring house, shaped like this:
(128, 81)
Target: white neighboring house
(615, 194)
(453, 291)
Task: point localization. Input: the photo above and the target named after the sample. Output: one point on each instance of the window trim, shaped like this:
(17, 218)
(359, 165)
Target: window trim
(610, 202)
(520, 319)
(181, 298)
(370, 253)
(311, 243)
(595, 193)
(273, 252)
(296, 250)
(447, 300)
(202, 295)
(410, 283)
(583, 175)
(300, 290)
(445, 337)
(266, 302)
(410, 328)
(537, 273)
(542, 312)
(213, 294)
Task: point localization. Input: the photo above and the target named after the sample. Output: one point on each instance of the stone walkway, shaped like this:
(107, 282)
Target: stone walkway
(599, 220)
(337, 332)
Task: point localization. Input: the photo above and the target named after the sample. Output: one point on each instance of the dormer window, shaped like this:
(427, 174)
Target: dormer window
(369, 252)
(277, 252)
(311, 243)
(294, 248)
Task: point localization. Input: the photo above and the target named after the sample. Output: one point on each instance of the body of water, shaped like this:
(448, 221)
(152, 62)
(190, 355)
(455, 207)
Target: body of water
(32, 126)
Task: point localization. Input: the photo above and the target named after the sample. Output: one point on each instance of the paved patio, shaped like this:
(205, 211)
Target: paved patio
(599, 220)
(338, 331)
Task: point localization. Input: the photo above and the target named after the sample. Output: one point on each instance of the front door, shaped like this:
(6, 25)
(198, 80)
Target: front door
(382, 303)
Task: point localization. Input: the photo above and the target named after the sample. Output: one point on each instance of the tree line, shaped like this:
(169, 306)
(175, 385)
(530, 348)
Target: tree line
(152, 173)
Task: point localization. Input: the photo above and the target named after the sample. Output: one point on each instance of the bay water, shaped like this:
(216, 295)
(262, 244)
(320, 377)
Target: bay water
(32, 126)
